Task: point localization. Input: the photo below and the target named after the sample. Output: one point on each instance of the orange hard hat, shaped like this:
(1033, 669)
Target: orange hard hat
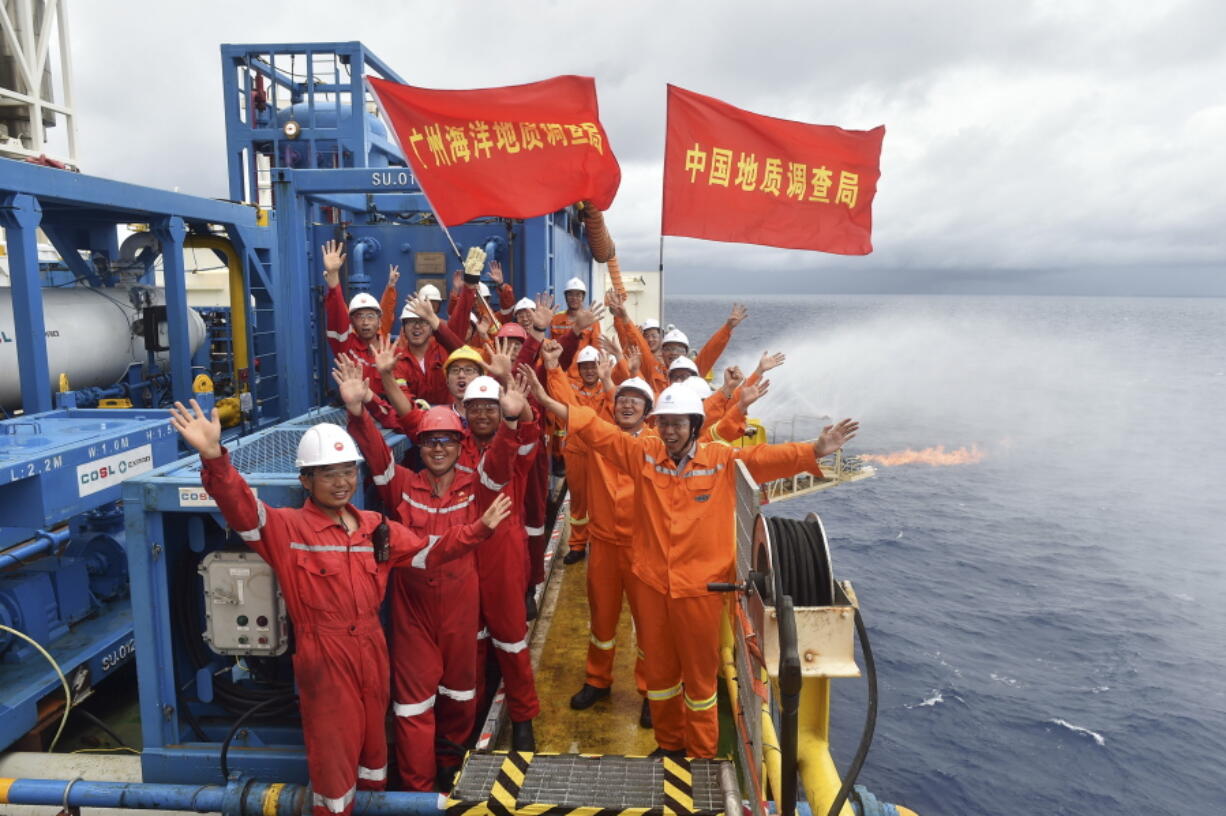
(440, 418)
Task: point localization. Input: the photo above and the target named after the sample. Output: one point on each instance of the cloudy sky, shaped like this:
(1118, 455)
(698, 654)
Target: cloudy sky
(1051, 146)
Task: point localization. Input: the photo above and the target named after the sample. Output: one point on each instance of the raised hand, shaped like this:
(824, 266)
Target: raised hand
(587, 316)
(733, 377)
(551, 352)
(457, 279)
(615, 303)
(768, 361)
(352, 383)
(201, 432)
(393, 275)
(500, 359)
(497, 512)
(834, 437)
(514, 397)
(483, 326)
(496, 273)
(604, 367)
(385, 354)
(422, 308)
(739, 313)
(527, 375)
(542, 315)
(634, 360)
(752, 393)
(333, 260)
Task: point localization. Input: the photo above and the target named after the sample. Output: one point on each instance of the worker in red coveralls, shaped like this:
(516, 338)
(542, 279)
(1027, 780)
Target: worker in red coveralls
(435, 612)
(332, 563)
(353, 328)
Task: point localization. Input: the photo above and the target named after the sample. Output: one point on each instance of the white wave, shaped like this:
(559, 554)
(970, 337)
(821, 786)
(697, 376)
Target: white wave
(931, 701)
(1000, 678)
(1098, 738)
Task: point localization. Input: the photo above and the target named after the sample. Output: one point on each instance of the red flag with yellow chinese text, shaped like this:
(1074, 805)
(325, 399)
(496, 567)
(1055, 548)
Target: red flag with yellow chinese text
(513, 152)
(732, 175)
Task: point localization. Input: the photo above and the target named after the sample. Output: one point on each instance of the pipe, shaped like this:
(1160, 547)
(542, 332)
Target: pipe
(363, 250)
(43, 542)
(242, 795)
(238, 301)
(817, 771)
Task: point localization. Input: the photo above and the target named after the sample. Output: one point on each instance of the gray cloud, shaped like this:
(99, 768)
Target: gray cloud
(1028, 144)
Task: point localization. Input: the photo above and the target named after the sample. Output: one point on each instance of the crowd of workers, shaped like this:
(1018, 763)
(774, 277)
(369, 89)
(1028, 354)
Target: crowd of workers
(494, 397)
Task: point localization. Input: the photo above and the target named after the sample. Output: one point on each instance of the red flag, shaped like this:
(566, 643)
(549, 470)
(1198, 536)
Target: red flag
(514, 152)
(732, 175)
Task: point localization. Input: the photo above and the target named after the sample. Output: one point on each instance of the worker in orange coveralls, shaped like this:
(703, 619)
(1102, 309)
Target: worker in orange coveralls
(435, 612)
(610, 492)
(589, 391)
(685, 494)
(332, 562)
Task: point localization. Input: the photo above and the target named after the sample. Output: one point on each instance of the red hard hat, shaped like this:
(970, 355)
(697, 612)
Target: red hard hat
(440, 418)
(513, 330)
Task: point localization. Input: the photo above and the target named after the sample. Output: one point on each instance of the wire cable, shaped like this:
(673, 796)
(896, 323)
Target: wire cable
(58, 671)
(870, 718)
(225, 745)
(110, 732)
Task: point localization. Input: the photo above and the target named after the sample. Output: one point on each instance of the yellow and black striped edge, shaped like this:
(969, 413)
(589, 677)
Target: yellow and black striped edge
(678, 795)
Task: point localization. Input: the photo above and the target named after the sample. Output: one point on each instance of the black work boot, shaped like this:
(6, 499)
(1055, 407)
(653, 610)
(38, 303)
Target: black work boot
(660, 753)
(530, 604)
(522, 738)
(574, 557)
(645, 714)
(587, 696)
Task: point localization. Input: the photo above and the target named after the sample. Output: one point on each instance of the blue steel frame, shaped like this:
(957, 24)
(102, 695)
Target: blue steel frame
(79, 212)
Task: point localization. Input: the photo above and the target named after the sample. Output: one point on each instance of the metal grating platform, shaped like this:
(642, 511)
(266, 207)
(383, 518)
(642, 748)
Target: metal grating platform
(316, 415)
(567, 781)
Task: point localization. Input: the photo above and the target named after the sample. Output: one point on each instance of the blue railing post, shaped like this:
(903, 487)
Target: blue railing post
(171, 231)
(20, 214)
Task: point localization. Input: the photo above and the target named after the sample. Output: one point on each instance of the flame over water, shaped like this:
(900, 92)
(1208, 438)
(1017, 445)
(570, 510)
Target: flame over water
(936, 457)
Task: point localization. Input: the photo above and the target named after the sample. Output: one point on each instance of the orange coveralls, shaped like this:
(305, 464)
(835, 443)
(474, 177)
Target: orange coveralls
(684, 540)
(575, 453)
(333, 588)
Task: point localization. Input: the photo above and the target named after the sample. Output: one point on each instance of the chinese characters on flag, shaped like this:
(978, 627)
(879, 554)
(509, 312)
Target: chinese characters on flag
(514, 152)
(732, 175)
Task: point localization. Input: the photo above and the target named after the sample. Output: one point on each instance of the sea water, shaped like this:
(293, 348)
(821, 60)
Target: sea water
(1049, 623)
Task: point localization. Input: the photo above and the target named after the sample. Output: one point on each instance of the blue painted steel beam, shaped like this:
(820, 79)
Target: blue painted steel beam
(171, 231)
(350, 180)
(20, 214)
(294, 303)
(67, 250)
(135, 202)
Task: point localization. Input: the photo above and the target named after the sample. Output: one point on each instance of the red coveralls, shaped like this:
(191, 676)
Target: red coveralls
(333, 588)
(685, 540)
(503, 570)
(434, 612)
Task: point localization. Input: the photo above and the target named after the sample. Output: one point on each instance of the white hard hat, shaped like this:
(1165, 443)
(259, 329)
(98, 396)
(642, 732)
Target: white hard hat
(524, 303)
(326, 444)
(588, 354)
(472, 318)
(483, 290)
(678, 399)
(363, 301)
(575, 285)
(683, 362)
(676, 336)
(407, 313)
(483, 387)
(637, 384)
(699, 386)
(650, 323)
(430, 292)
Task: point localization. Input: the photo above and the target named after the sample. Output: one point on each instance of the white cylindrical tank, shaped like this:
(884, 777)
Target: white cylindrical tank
(90, 337)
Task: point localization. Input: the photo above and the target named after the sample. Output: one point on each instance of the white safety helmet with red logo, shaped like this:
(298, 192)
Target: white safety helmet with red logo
(588, 354)
(678, 400)
(524, 303)
(638, 385)
(326, 444)
(675, 336)
(430, 292)
(364, 301)
(650, 323)
(575, 285)
(486, 388)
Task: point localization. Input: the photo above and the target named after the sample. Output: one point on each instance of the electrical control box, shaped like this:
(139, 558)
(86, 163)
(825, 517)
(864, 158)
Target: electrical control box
(243, 606)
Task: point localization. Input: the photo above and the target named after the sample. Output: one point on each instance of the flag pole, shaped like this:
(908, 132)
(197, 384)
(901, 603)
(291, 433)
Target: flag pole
(416, 175)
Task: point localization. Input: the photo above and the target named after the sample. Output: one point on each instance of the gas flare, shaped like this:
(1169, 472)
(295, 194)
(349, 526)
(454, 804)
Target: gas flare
(936, 457)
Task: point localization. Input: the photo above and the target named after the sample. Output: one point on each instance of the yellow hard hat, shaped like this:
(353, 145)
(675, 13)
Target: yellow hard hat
(465, 353)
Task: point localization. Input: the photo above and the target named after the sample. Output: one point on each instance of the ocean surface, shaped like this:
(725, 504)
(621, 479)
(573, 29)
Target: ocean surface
(1049, 622)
